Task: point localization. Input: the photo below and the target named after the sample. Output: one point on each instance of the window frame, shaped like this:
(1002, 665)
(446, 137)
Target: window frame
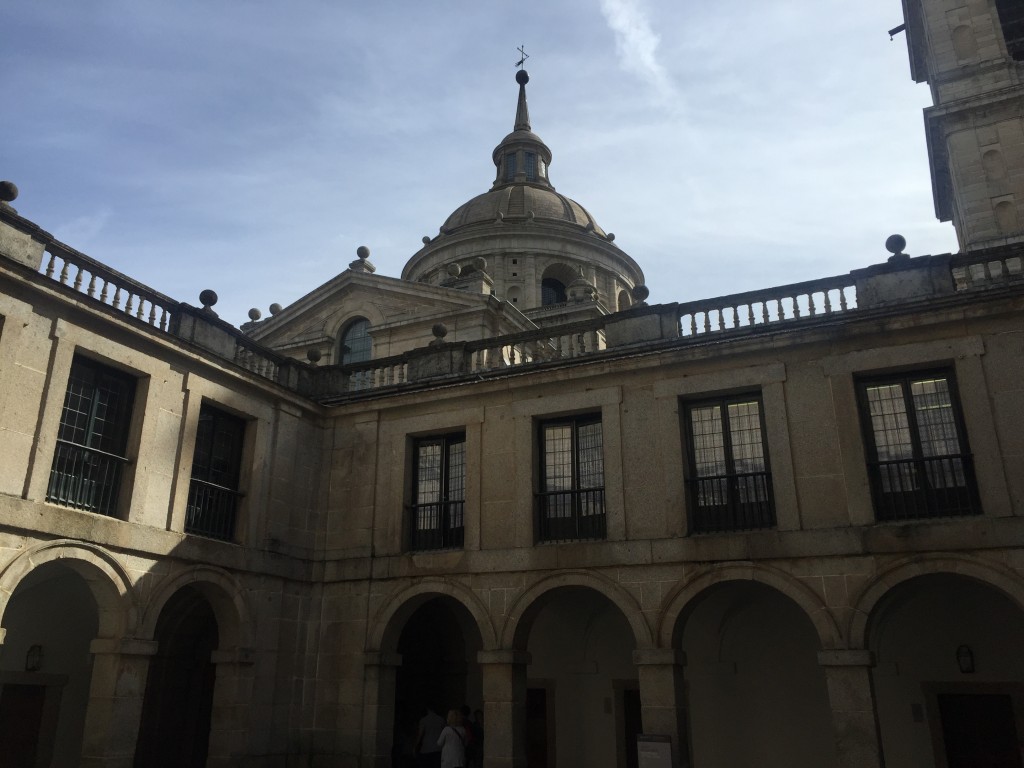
(1011, 20)
(221, 521)
(734, 515)
(346, 353)
(917, 503)
(78, 487)
(444, 535)
(579, 524)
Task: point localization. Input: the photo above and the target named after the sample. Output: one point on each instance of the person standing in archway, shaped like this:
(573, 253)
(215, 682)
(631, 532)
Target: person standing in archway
(453, 742)
(428, 748)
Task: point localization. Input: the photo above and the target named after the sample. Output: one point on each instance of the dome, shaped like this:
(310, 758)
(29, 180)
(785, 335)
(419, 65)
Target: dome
(515, 203)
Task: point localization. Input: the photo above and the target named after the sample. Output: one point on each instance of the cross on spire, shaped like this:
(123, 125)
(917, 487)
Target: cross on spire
(523, 56)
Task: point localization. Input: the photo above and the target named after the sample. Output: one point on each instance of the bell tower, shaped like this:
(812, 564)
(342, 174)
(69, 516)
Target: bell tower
(971, 54)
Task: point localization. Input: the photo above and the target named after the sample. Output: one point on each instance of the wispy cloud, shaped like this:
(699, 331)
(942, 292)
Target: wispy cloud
(637, 43)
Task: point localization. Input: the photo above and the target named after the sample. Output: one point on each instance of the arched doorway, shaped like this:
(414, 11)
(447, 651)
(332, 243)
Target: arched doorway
(46, 667)
(178, 704)
(583, 694)
(439, 643)
(949, 675)
(755, 692)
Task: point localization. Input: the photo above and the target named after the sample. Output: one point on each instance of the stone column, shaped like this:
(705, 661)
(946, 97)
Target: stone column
(854, 716)
(662, 703)
(380, 673)
(232, 697)
(116, 692)
(504, 690)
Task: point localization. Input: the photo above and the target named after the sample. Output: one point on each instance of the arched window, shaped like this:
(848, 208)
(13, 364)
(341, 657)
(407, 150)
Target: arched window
(1011, 16)
(552, 291)
(356, 344)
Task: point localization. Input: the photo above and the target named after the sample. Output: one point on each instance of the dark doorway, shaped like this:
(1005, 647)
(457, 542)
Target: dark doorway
(21, 716)
(438, 646)
(632, 725)
(979, 730)
(175, 728)
(536, 728)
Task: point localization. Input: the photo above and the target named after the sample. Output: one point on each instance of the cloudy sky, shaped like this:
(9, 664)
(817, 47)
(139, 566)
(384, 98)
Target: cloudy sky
(250, 147)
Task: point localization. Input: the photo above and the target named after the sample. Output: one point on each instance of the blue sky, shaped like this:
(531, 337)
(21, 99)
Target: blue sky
(250, 147)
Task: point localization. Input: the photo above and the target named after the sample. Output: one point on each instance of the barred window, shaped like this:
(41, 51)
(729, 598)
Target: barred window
(438, 492)
(728, 479)
(570, 503)
(919, 464)
(92, 438)
(213, 494)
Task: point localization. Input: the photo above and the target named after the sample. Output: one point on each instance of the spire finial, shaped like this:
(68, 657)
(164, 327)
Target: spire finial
(523, 56)
(522, 113)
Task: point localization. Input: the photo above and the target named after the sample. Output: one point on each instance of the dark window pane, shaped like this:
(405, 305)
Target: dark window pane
(728, 480)
(216, 469)
(438, 493)
(571, 499)
(92, 438)
(356, 343)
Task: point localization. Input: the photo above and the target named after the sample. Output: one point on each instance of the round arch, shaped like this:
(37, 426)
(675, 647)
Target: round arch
(391, 618)
(106, 578)
(225, 595)
(865, 603)
(684, 598)
(516, 630)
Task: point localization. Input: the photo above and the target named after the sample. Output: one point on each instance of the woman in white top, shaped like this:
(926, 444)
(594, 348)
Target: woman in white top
(452, 742)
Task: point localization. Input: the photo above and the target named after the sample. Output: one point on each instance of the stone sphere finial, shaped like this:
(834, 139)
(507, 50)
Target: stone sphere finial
(275, 308)
(313, 355)
(454, 269)
(610, 237)
(426, 239)
(522, 77)
(440, 330)
(363, 252)
(640, 293)
(208, 298)
(8, 191)
(479, 263)
(255, 314)
(895, 244)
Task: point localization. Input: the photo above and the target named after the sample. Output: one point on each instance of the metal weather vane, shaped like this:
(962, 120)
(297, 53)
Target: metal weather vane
(524, 54)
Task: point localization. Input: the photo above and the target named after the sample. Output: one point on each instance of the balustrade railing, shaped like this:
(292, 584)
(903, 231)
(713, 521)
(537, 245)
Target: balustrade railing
(108, 286)
(437, 526)
(971, 270)
(211, 510)
(911, 489)
(85, 478)
(571, 515)
(739, 502)
(812, 298)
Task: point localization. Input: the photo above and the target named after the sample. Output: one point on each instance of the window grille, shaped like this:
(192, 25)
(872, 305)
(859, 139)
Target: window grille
(437, 513)
(356, 343)
(919, 465)
(729, 481)
(531, 166)
(92, 439)
(552, 291)
(510, 166)
(213, 494)
(1011, 17)
(570, 504)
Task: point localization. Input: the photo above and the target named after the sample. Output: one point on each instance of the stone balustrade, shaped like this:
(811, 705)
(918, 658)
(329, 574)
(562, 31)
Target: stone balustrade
(108, 286)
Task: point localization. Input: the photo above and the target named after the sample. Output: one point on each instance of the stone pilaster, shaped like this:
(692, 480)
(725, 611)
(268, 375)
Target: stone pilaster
(662, 706)
(504, 692)
(380, 673)
(232, 696)
(854, 716)
(118, 687)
